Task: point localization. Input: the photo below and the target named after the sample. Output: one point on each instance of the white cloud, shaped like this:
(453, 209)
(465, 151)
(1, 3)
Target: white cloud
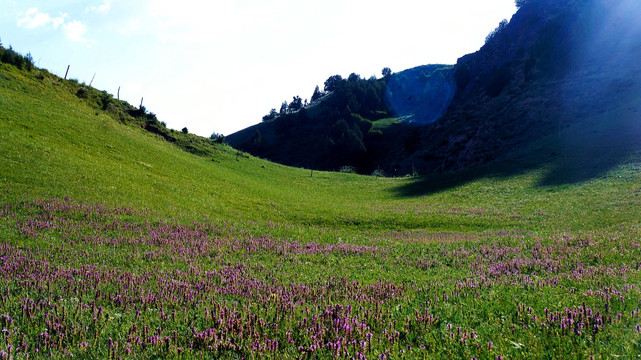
(105, 6)
(34, 19)
(75, 31)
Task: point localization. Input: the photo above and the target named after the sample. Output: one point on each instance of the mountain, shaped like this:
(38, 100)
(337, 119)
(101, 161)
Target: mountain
(356, 123)
(554, 65)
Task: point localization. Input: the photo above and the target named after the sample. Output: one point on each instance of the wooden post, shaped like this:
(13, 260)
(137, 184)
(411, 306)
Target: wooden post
(66, 73)
(311, 173)
(141, 102)
(118, 96)
(91, 82)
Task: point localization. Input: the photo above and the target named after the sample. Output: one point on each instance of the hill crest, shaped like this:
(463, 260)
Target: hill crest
(552, 65)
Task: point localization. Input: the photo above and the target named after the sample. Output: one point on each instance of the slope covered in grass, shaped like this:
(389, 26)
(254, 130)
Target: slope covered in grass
(115, 242)
(55, 145)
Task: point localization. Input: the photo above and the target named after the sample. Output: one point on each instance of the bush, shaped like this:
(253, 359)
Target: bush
(105, 100)
(82, 93)
(378, 173)
(348, 170)
(185, 131)
(217, 138)
(273, 114)
(28, 62)
(9, 56)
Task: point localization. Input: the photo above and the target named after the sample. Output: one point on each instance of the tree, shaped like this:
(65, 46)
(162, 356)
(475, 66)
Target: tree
(273, 114)
(302, 115)
(257, 139)
(386, 72)
(346, 143)
(520, 3)
(502, 25)
(28, 61)
(296, 104)
(331, 82)
(353, 77)
(185, 131)
(11, 57)
(317, 94)
(217, 138)
(283, 108)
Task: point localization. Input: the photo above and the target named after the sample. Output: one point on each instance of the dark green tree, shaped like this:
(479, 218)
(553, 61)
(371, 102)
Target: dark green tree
(332, 82)
(273, 114)
(296, 104)
(217, 138)
(317, 94)
(28, 61)
(185, 131)
(387, 72)
(499, 29)
(257, 138)
(283, 108)
(520, 3)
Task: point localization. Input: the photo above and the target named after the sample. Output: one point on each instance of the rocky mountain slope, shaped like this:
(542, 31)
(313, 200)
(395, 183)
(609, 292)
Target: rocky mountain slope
(557, 63)
(554, 65)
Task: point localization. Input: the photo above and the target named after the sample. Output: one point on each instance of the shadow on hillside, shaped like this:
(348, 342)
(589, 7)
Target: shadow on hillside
(582, 152)
(594, 152)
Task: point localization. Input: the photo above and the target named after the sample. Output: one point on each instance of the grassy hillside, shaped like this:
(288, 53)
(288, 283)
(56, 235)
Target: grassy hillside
(118, 243)
(54, 145)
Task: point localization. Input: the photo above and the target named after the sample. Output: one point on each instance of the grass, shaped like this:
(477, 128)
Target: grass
(117, 243)
(383, 124)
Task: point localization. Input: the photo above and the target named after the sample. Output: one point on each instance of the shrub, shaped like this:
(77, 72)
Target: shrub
(185, 131)
(28, 61)
(105, 100)
(273, 114)
(348, 170)
(217, 138)
(82, 92)
(9, 56)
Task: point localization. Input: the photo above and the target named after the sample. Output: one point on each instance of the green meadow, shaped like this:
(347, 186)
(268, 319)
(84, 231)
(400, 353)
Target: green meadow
(115, 243)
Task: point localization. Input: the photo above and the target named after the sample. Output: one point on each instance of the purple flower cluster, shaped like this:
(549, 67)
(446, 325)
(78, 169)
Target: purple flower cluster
(85, 280)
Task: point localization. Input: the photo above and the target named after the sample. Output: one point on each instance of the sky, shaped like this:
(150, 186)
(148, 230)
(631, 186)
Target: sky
(219, 66)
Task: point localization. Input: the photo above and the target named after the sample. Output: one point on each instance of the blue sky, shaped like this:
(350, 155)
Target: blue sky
(221, 65)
